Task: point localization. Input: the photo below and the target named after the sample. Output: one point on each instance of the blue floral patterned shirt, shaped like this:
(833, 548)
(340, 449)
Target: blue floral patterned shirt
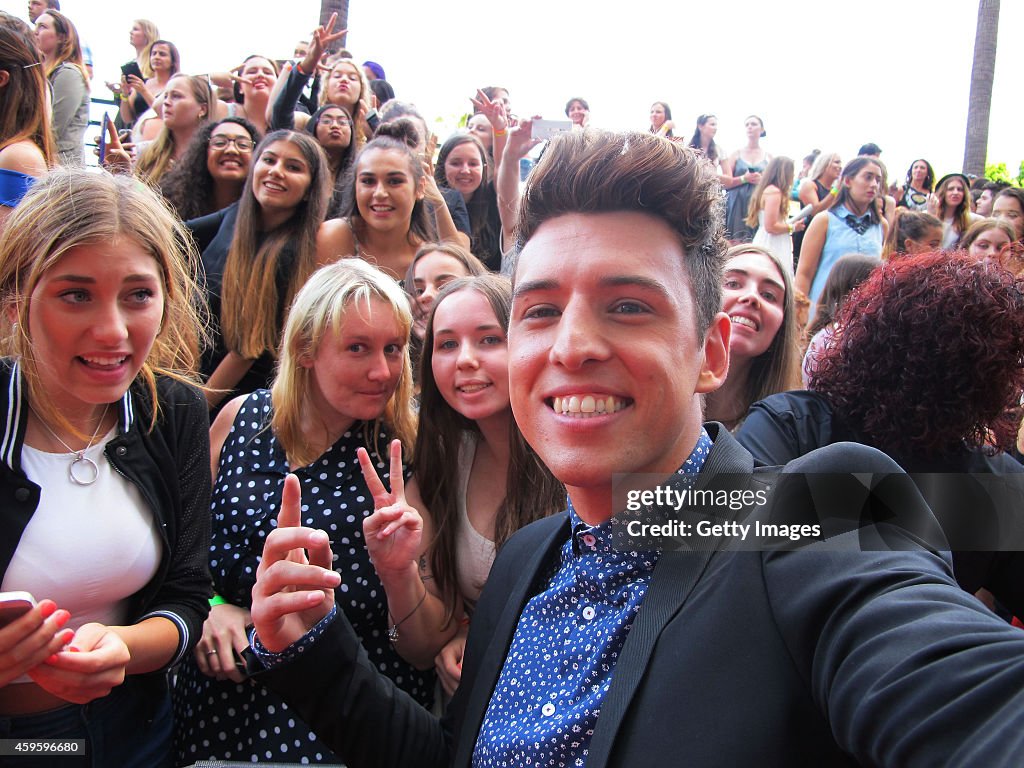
(560, 664)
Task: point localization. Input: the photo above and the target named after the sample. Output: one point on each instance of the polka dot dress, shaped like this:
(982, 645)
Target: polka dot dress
(229, 721)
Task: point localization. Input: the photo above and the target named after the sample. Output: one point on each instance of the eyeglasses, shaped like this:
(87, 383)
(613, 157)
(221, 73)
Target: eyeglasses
(329, 121)
(241, 143)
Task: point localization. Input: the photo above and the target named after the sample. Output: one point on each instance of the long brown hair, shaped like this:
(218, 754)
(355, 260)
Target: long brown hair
(779, 174)
(532, 491)
(250, 305)
(70, 49)
(24, 110)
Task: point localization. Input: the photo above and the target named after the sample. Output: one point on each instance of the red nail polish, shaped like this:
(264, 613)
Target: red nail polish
(46, 608)
(62, 617)
(72, 649)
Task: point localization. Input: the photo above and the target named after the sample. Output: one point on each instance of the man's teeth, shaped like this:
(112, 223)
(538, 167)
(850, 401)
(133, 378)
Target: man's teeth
(744, 321)
(586, 406)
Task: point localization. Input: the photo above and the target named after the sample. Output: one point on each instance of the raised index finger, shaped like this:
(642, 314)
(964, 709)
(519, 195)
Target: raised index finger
(290, 515)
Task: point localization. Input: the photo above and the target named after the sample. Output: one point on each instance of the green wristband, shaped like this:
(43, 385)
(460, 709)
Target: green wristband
(217, 600)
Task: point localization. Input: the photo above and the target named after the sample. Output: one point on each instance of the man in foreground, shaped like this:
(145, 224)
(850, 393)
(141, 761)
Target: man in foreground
(582, 653)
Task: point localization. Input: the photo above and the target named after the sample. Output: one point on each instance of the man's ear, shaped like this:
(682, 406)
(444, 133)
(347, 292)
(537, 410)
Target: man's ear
(5, 77)
(715, 366)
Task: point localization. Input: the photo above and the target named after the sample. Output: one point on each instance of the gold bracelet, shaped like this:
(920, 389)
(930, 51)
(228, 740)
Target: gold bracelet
(393, 630)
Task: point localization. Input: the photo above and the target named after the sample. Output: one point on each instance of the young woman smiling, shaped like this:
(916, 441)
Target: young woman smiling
(104, 465)
(920, 180)
(252, 86)
(211, 174)
(387, 220)
(257, 254)
(757, 294)
(477, 479)
(464, 165)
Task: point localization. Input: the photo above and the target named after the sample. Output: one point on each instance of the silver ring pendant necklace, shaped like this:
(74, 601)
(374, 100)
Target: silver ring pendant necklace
(82, 470)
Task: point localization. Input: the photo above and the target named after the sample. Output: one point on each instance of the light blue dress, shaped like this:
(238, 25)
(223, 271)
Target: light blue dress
(841, 239)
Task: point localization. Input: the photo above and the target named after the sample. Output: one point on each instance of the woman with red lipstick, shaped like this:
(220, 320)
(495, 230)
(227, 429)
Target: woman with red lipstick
(757, 294)
(478, 479)
(344, 385)
(387, 220)
(211, 174)
(103, 481)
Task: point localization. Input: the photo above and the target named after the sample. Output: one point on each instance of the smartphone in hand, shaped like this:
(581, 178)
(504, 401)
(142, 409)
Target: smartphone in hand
(104, 127)
(13, 605)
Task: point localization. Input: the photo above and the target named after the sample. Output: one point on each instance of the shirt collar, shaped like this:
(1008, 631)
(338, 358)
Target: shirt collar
(598, 538)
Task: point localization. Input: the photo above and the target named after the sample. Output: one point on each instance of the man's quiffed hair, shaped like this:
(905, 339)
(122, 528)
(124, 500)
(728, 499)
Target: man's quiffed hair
(600, 172)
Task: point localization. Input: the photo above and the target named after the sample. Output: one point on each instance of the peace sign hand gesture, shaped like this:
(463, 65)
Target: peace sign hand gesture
(322, 38)
(494, 111)
(394, 532)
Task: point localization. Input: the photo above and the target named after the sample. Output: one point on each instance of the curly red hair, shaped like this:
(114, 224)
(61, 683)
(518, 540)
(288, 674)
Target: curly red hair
(930, 355)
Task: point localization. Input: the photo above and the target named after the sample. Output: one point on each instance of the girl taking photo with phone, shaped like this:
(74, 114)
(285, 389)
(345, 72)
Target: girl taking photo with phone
(103, 466)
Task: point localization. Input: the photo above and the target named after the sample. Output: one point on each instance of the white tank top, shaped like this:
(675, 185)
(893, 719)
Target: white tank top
(87, 547)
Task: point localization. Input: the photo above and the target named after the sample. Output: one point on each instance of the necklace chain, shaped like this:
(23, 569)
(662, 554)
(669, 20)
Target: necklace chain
(88, 465)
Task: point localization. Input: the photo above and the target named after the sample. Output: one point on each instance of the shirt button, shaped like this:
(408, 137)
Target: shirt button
(121, 450)
(21, 494)
(548, 709)
(589, 612)
(589, 539)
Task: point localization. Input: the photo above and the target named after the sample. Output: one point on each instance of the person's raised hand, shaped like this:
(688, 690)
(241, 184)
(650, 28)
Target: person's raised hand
(322, 37)
(293, 591)
(520, 139)
(394, 532)
(494, 111)
(117, 159)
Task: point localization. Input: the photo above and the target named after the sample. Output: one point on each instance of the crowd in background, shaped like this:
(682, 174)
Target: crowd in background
(283, 270)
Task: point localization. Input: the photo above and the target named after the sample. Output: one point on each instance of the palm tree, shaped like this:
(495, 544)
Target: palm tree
(980, 101)
(340, 7)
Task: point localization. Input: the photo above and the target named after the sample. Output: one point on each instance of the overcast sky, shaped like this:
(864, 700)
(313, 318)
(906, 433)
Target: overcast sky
(821, 74)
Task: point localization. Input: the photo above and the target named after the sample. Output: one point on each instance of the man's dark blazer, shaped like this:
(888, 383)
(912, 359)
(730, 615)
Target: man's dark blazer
(816, 658)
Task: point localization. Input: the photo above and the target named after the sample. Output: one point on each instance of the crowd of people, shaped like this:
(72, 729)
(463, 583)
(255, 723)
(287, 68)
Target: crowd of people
(319, 415)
